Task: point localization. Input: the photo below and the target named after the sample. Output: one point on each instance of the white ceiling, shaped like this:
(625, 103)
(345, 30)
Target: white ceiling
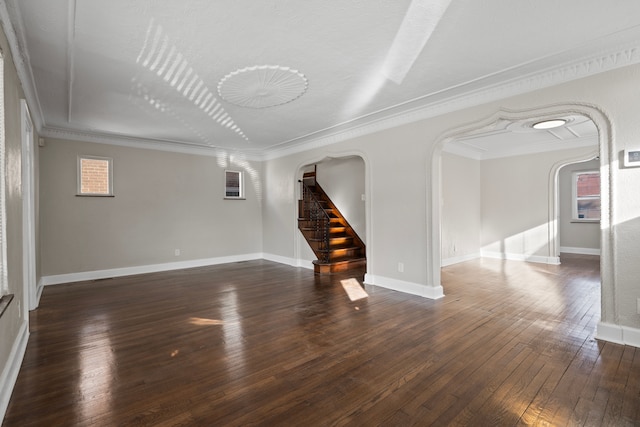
(154, 72)
(505, 138)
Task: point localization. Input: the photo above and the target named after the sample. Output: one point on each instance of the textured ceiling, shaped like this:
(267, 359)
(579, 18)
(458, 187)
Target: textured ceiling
(157, 71)
(506, 138)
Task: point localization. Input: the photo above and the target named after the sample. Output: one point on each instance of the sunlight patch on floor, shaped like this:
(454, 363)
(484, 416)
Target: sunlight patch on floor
(353, 289)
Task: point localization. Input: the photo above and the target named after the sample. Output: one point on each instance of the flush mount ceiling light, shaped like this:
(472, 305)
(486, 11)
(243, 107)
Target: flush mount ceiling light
(262, 86)
(549, 124)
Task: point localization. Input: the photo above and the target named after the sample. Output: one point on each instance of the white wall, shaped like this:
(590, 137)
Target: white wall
(400, 160)
(461, 208)
(343, 181)
(576, 237)
(163, 201)
(515, 204)
(14, 321)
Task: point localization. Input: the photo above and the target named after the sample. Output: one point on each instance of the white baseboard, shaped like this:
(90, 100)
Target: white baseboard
(459, 259)
(288, 261)
(431, 292)
(143, 269)
(521, 257)
(579, 251)
(12, 368)
(618, 334)
(156, 268)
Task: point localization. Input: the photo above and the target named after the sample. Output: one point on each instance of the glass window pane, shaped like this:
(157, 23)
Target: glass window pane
(94, 176)
(589, 209)
(588, 184)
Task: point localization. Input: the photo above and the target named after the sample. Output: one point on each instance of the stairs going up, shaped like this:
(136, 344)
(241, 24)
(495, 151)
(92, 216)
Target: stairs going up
(334, 242)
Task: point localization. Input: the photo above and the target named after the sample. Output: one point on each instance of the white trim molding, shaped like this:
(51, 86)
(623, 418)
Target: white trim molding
(618, 334)
(606, 53)
(458, 259)
(522, 257)
(144, 269)
(58, 279)
(579, 251)
(12, 367)
(425, 291)
(288, 261)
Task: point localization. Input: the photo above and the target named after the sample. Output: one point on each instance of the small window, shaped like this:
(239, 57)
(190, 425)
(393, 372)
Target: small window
(95, 176)
(586, 196)
(233, 185)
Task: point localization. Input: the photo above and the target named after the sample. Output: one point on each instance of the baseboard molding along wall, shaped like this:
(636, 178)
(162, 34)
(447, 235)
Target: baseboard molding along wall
(579, 251)
(431, 292)
(459, 259)
(521, 257)
(12, 368)
(289, 261)
(157, 268)
(618, 334)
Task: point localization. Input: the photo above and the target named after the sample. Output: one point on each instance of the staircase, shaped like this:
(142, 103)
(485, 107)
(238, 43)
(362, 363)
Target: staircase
(334, 242)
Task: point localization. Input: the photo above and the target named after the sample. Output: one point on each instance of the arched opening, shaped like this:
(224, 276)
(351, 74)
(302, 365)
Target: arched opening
(344, 178)
(551, 249)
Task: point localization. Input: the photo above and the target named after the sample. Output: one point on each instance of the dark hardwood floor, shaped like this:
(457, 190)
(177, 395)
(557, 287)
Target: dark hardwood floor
(259, 343)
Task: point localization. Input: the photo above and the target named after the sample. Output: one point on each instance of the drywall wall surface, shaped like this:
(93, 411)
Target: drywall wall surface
(576, 235)
(515, 203)
(461, 207)
(167, 207)
(343, 179)
(399, 161)
(14, 321)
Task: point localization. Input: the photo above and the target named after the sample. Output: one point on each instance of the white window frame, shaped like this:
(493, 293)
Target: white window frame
(79, 177)
(226, 193)
(575, 198)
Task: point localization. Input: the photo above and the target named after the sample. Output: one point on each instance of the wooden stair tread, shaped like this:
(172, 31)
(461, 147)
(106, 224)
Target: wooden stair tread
(345, 250)
(341, 260)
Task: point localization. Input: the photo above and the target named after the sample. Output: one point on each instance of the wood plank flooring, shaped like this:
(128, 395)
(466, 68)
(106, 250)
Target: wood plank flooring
(259, 343)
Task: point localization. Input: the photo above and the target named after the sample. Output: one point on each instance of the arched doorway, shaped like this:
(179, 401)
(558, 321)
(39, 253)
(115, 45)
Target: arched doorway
(345, 179)
(532, 116)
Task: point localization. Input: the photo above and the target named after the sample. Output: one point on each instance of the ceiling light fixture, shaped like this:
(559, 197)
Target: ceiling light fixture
(549, 124)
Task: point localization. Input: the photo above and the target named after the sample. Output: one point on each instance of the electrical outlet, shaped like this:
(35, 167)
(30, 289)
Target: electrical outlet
(362, 197)
(177, 252)
(401, 267)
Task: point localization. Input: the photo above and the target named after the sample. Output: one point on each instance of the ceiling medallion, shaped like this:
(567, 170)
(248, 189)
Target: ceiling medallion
(262, 86)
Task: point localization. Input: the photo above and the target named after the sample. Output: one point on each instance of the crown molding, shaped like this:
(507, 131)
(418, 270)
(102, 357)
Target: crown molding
(596, 56)
(147, 144)
(624, 55)
(18, 47)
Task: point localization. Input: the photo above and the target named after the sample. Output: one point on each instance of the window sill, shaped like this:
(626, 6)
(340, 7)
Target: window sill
(585, 221)
(95, 195)
(5, 300)
(235, 198)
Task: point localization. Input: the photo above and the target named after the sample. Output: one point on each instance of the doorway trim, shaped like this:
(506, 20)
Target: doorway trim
(554, 200)
(609, 311)
(31, 291)
(298, 238)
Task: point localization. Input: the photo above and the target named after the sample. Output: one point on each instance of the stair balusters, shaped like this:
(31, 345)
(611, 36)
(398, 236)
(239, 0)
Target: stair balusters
(314, 212)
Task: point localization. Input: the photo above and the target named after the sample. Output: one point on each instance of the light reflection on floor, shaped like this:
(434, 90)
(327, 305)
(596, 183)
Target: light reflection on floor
(96, 368)
(353, 289)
